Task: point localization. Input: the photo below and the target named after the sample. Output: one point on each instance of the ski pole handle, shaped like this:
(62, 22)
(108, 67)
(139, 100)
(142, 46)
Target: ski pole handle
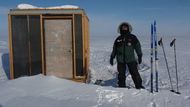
(172, 43)
(160, 42)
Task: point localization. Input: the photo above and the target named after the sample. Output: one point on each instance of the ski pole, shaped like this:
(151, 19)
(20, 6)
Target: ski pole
(156, 56)
(151, 61)
(173, 44)
(160, 43)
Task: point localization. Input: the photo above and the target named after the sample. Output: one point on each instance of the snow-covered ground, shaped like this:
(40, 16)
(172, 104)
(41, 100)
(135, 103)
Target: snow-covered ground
(4, 60)
(48, 91)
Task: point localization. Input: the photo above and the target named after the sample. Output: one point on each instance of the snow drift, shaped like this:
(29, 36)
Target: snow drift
(50, 91)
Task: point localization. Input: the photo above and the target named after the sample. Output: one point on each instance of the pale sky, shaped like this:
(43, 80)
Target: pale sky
(172, 16)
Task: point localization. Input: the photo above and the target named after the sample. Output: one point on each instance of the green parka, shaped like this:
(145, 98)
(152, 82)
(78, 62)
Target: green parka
(125, 46)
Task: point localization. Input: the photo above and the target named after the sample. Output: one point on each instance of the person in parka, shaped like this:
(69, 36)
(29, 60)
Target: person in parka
(124, 49)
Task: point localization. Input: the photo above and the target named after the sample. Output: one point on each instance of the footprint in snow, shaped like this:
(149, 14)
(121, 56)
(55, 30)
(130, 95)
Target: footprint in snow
(136, 92)
(187, 97)
(152, 104)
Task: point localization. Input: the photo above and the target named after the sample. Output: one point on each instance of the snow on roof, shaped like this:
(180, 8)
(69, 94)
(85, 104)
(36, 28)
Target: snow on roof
(64, 6)
(28, 6)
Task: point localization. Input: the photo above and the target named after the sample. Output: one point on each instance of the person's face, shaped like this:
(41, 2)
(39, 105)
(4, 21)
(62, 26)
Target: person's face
(125, 28)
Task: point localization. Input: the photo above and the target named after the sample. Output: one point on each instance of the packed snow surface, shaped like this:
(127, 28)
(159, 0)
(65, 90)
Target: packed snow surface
(50, 91)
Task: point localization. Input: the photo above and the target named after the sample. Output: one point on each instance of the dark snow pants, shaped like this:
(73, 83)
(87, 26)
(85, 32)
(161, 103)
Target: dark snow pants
(132, 66)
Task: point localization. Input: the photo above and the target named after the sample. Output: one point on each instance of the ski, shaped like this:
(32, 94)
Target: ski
(151, 60)
(174, 45)
(160, 43)
(154, 53)
(156, 56)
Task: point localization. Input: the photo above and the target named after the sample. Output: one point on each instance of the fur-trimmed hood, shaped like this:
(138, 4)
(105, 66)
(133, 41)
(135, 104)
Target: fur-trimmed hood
(129, 25)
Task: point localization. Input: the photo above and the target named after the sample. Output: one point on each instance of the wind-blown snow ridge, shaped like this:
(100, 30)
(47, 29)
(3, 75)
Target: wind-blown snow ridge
(29, 6)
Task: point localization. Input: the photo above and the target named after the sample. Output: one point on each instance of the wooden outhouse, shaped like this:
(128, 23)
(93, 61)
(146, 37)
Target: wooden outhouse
(49, 41)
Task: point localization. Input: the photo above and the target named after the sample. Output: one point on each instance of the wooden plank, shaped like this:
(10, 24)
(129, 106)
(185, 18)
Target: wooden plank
(10, 48)
(74, 48)
(57, 17)
(42, 45)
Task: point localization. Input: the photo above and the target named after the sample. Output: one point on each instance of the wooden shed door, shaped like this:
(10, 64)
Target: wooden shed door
(58, 47)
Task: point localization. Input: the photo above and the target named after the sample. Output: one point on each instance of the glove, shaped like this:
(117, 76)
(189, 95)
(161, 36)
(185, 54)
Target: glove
(111, 61)
(140, 59)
